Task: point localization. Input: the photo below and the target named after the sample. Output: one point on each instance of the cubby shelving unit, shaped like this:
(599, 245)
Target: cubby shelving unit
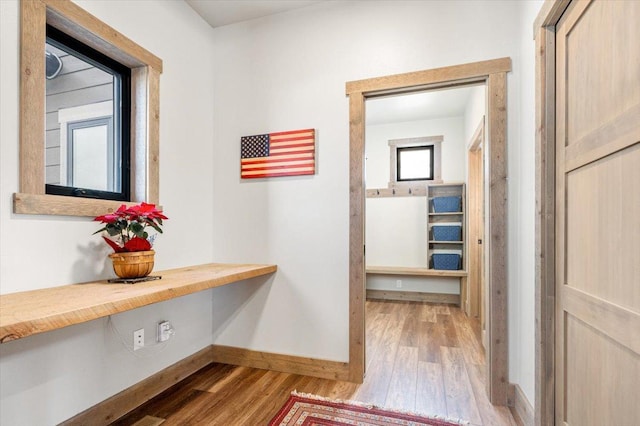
(434, 218)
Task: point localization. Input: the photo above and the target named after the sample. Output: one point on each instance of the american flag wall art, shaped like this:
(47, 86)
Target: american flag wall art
(289, 153)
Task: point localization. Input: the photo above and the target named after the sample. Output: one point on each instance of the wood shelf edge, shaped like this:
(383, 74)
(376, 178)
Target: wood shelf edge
(32, 312)
(402, 270)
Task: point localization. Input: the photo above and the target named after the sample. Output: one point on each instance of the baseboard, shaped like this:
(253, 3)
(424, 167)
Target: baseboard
(414, 296)
(519, 405)
(333, 370)
(131, 398)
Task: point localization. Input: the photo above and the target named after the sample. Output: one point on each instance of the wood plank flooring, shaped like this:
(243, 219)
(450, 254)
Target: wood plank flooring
(420, 357)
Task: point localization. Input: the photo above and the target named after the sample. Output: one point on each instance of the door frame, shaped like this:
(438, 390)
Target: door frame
(545, 292)
(493, 73)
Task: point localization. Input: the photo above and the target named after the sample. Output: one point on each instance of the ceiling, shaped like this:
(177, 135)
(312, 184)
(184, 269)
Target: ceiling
(418, 106)
(224, 12)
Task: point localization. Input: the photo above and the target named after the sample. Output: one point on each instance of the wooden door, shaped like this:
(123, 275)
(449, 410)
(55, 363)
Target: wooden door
(598, 214)
(475, 238)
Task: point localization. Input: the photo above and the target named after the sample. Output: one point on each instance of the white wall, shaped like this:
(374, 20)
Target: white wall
(522, 215)
(48, 378)
(476, 108)
(377, 147)
(289, 71)
(396, 228)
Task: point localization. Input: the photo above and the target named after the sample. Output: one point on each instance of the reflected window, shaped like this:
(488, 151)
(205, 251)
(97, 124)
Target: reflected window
(87, 140)
(87, 121)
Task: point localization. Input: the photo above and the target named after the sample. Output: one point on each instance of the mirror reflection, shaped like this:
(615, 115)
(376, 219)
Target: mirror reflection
(83, 147)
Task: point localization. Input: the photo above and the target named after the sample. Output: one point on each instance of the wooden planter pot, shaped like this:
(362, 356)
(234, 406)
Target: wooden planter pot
(135, 264)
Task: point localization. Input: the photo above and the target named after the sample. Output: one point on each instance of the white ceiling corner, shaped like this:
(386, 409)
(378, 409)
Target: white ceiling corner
(224, 12)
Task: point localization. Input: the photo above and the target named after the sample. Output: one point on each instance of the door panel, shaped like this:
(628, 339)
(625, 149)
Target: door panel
(595, 375)
(602, 203)
(598, 213)
(599, 62)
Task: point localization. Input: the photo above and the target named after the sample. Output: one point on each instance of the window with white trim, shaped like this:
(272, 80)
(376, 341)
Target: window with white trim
(415, 160)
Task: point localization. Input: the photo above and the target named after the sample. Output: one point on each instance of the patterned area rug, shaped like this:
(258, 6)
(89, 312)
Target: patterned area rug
(310, 410)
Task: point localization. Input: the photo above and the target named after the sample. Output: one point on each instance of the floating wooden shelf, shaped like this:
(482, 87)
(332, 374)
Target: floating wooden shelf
(30, 312)
(402, 270)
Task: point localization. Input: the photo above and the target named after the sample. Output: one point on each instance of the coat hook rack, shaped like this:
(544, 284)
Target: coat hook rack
(396, 192)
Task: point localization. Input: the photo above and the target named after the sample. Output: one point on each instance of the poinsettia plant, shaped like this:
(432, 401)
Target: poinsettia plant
(127, 227)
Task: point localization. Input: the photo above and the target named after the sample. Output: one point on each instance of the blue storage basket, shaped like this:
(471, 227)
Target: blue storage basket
(448, 261)
(446, 204)
(447, 232)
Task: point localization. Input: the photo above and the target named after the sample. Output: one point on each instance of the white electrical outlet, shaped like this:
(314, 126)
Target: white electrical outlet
(138, 339)
(165, 331)
(398, 283)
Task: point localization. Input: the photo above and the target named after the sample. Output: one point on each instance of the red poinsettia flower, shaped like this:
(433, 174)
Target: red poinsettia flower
(111, 217)
(113, 245)
(137, 244)
(128, 226)
(150, 211)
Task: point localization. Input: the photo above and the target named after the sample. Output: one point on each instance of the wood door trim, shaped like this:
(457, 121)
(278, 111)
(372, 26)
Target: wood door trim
(496, 236)
(446, 76)
(560, 211)
(357, 274)
(493, 73)
(545, 269)
(549, 14)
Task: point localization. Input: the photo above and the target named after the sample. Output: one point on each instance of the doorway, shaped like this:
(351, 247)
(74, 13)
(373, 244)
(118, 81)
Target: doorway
(493, 74)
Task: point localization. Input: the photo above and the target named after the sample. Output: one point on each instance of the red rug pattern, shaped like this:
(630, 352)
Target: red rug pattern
(311, 410)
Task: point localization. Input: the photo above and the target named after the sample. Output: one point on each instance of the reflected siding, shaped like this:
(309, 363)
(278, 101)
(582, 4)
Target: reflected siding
(79, 83)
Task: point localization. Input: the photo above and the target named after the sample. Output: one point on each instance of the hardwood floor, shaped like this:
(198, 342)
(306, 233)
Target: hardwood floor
(420, 357)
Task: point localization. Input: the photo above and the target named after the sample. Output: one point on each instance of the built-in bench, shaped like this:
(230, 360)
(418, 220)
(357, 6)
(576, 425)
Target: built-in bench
(26, 313)
(457, 299)
(402, 270)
